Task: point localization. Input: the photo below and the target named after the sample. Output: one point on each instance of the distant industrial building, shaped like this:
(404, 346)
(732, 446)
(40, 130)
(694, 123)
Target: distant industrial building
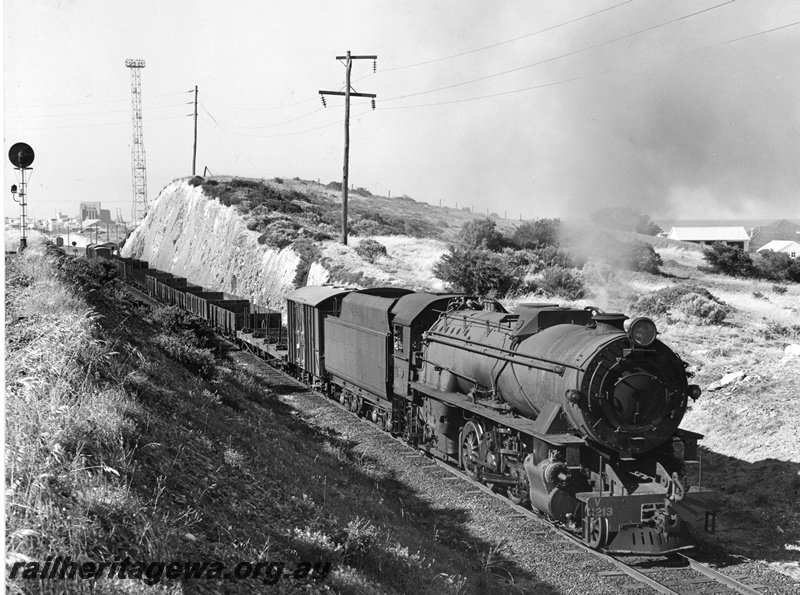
(92, 210)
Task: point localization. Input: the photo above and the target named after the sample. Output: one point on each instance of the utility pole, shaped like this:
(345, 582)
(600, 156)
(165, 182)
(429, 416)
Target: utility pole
(194, 151)
(348, 93)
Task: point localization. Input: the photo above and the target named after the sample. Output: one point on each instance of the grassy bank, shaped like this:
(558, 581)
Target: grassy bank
(124, 442)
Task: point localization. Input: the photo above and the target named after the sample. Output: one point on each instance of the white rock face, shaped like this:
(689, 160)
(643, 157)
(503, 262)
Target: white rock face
(192, 236)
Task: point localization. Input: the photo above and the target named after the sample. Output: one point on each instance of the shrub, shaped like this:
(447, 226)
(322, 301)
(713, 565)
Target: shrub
(196, 181)
(370, 250)
(180, 347)
(684, 299)
(772, 265)
(367, 227)
(779, 289)
(308, 253)
(419, 228)
(537, 234)
(641, 256)
(793, 272)
(562, 282)
(280, 234)
(539, 259)
(707, 311)
(481, 233)
(759, 296)
(475, 271)
(729, 260)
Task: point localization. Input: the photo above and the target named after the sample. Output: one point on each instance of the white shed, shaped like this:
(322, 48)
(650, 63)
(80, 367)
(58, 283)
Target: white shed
(789, 247)
(708, 236)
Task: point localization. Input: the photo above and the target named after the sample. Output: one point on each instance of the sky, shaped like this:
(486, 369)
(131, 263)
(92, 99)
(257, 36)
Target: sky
(688, 109)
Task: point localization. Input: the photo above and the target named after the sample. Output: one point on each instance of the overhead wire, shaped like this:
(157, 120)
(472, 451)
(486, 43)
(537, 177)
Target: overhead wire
(573, 53)
(95, 125)
(238, 148)
(271, 125)
(92, 113)
(594, 74)
(512, 40)
(95, 102)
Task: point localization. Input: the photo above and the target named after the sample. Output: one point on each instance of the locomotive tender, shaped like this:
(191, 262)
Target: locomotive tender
(573, 410)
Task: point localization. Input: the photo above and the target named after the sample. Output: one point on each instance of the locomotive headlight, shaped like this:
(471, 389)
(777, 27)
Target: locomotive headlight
(642, 331)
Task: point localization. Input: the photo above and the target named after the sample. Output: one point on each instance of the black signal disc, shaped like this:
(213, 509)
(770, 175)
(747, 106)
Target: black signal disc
(21, 155)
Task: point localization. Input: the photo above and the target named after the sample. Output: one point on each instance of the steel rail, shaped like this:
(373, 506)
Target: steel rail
(719, 577)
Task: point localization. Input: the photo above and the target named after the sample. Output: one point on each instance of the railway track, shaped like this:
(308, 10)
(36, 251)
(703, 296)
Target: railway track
(674, 575)
(677, 575)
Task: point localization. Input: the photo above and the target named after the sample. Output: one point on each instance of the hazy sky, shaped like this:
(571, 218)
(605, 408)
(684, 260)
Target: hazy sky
(682, 109)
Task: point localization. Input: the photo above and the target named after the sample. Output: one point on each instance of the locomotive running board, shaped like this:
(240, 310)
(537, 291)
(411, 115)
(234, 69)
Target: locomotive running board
(522, 424)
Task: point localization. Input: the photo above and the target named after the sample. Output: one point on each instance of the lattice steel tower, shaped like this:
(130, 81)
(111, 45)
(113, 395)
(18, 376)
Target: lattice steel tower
(138, 166)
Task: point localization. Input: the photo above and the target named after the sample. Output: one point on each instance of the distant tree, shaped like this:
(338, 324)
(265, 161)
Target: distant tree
(729, 260)
(537, 234)
(625, 219)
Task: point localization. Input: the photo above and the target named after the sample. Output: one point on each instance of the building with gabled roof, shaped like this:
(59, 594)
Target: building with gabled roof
(708, 236)
(782, 229)
(789, 247)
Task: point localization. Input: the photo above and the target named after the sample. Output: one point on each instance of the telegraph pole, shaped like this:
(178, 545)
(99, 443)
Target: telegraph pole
(194, 151)
(348, 93)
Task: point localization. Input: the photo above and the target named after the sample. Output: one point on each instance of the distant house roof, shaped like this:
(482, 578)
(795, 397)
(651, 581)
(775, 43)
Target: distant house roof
(781, 246)
(709, 234)
(782, 229)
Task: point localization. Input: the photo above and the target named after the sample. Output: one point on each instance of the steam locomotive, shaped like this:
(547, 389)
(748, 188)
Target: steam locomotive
(574, 411)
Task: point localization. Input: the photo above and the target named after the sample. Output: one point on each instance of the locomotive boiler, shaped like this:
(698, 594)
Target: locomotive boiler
(576, 410)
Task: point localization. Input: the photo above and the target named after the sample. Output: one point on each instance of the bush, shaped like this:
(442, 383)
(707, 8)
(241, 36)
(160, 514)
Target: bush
(706, 310)
(684, 299)
(729, 260)
(538, 259)
(537, 234)
(641, 256)
(779, 289)
(476, 271)
(280, 234)
(561, 282)
(481, 233)
(180, 348)
(308, 253)
(370, 250)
